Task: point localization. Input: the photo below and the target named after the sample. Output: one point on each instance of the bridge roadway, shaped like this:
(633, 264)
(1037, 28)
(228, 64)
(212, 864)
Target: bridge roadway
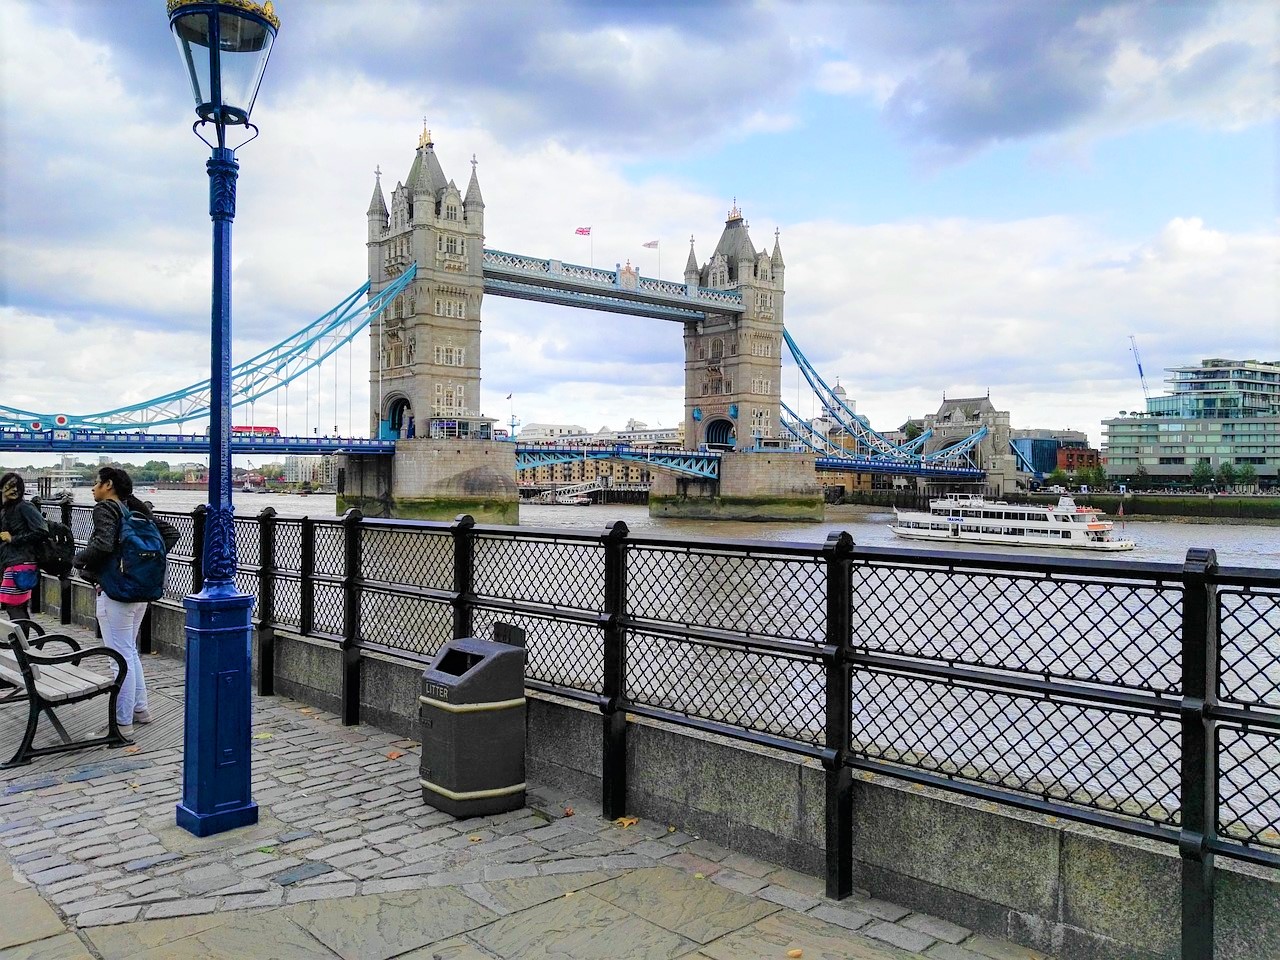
(704, 464)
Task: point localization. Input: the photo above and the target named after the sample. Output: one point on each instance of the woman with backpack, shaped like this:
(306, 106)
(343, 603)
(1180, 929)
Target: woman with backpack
(124, 559)
(22, 526)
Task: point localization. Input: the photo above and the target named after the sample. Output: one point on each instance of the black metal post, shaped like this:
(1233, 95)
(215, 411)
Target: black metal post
(306, 578)
(197, 546)
(464, 573)
(64, 583)
(836, 656)
(351, 618)
(266, 602)
(1199, 751)
(613, 774)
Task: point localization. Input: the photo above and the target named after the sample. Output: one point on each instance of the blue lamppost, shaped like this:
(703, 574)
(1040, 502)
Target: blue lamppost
(224, 45)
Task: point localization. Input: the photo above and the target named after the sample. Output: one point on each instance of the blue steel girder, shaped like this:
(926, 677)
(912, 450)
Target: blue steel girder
(1023, 463)
(98, 441)
(903, 468)
(960, 451)
(689, 463)
(533, 278)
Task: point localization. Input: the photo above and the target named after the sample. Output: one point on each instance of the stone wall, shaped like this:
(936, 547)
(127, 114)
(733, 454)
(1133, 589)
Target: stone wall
(1076, 892)
(752, 486)
(436, 480)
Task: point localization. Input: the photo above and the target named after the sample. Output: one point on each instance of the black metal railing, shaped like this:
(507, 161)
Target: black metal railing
(1142, 697)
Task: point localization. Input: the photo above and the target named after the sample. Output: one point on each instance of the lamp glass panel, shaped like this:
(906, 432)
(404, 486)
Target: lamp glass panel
(245, 44)
(191, 32)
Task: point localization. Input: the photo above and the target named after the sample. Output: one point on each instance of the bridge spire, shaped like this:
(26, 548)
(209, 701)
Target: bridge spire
(473, 197)
(776, 260)
(377, 204)
(691, 265)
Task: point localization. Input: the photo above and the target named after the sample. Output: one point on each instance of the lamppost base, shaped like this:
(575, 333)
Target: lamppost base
(206, 825)
(216, 775)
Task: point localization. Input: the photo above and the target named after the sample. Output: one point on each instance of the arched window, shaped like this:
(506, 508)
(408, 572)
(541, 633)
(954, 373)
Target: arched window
(717, 349)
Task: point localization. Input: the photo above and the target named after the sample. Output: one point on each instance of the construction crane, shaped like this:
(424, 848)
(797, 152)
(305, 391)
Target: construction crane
(1133, 345)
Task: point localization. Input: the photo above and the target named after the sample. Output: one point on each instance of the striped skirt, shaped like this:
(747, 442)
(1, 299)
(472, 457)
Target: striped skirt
(10, 594)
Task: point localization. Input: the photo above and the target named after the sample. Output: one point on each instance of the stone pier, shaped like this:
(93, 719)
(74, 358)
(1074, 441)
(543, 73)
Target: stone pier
(753, 485)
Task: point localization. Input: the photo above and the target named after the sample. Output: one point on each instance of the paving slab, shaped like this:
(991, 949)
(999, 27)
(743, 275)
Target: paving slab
(582, 927)
(28, 919)
(65, 946)
(776, 935)
(380, 926)
(696, 909)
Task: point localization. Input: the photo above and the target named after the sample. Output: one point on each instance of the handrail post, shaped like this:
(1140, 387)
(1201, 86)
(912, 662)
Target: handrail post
(198, 516)
(613, 774)
(351, 617)
(64, 583)
(1199, 753)
(266, 619)
(306, 577)
(464, 573)
(837, 554)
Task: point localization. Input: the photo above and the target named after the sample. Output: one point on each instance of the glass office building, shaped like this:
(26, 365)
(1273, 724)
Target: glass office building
(1222, 411)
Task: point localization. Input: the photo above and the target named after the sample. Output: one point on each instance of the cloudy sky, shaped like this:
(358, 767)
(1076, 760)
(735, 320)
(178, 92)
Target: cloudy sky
(971, 197)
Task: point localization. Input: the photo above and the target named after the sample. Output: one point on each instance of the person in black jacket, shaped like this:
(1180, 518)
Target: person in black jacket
(22, 526)
(119, 621)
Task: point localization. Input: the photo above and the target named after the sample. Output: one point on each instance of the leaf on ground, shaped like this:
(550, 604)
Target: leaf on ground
(699, 876)
(266, 849)
(568, 811)
(475, 839)
(394, 754)
(134, 786)
(306, 709)
(795, 953)
(625, 822)
(132, 749)
(671, 829)
(262, 736)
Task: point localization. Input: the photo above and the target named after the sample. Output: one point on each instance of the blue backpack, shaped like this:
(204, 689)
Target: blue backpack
(135, 572)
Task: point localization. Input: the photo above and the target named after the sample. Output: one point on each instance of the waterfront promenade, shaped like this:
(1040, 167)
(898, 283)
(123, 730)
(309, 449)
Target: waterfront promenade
(347, 862)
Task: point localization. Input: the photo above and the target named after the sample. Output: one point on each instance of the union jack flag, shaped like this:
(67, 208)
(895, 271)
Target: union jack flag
(650, 245)
(583, 231)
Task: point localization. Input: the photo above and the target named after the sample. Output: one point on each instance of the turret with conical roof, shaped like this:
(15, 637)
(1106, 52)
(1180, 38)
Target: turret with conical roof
(778, 265)
(691, 272)
(473, 199)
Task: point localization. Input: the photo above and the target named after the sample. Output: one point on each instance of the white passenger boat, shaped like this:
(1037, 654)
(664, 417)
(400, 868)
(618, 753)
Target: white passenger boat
(968, 518)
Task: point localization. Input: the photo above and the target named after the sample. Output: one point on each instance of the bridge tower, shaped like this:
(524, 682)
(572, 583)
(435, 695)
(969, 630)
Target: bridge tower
(424, 357)
(733, 384)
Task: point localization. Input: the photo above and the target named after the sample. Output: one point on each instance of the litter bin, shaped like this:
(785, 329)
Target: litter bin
(472, 715)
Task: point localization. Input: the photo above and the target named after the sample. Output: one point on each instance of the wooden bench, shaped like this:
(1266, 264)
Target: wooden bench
(46, 681)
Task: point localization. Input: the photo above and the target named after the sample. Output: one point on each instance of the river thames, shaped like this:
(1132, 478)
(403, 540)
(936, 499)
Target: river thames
(1240, 545)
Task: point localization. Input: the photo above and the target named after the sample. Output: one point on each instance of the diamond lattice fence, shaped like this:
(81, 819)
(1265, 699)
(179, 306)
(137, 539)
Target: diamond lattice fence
(561, 573)
(759, 595)
(1118, 634)
(560, 651)
(1249, 650)
(753, 689)
(1249, 786)
(413, 624)
(1104, 758)
(414, 557)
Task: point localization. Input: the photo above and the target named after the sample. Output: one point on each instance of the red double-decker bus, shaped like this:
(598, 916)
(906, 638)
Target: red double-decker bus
(255, 431)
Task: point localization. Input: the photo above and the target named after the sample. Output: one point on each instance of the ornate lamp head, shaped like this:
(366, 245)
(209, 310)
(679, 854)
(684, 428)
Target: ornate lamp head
(224, 45)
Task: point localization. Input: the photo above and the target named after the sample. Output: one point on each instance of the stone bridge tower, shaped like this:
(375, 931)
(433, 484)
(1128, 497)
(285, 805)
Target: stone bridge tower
(424, 357)
(733, 385)
(733, 364)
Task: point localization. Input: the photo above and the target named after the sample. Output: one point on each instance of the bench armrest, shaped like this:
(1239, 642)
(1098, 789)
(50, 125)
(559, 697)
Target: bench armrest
(48, 660)
(28, 627)
(38, 643)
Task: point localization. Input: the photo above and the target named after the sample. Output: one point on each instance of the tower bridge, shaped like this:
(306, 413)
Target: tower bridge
(432, 454)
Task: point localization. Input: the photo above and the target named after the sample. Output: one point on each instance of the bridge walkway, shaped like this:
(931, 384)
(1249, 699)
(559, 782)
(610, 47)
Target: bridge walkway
(347, 861)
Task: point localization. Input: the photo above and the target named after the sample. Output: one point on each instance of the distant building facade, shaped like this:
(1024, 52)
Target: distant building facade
(1219, 412)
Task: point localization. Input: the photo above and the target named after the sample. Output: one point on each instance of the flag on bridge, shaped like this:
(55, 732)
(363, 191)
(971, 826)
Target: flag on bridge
(508, 396)
(583, 231)
(652, 244)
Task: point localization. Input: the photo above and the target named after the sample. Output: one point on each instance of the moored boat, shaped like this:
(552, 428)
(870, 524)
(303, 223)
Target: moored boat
(968, 518)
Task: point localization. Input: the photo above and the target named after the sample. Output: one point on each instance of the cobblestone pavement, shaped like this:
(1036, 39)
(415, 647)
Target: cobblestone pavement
(348, 862)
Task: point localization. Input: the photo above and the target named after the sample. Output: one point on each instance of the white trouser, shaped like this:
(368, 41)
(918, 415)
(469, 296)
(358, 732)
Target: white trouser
(120, 624)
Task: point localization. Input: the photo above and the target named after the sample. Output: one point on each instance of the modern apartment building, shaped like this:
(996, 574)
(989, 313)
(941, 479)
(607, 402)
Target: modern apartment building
(1222, 411)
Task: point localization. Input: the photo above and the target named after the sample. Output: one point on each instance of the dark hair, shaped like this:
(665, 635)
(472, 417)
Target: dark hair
(17, 478)
(120, 481)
